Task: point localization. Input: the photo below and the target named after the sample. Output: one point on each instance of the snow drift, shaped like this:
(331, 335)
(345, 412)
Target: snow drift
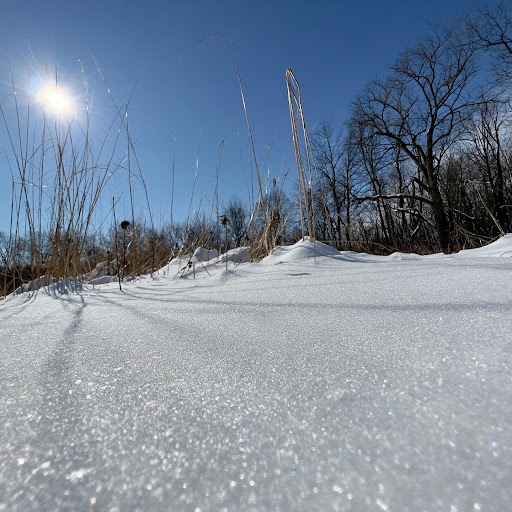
(313, 380)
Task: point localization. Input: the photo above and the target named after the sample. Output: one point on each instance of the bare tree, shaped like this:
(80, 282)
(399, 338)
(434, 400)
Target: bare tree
(422, 108)
(489, 151)
(328, 148)
(237, 214)
(492, 29)
(373, 162)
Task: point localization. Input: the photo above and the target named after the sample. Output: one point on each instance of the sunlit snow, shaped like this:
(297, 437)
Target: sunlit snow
(310, 381)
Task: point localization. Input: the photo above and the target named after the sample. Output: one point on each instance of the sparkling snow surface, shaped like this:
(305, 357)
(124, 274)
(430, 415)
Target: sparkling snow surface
(342, 383)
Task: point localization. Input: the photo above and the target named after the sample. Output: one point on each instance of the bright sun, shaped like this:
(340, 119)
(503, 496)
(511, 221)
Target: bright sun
(55, 99)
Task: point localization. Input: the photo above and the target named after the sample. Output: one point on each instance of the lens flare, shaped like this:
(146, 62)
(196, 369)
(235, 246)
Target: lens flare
(54, 99)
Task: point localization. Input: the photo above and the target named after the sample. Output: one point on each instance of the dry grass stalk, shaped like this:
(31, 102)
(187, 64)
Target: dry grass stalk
(305, 200)
(58, 184)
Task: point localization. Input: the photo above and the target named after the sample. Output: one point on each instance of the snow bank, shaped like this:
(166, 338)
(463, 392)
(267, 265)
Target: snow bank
(203, 255)
(302, 250)
(204, 262)
(237, 255)
(501, 248)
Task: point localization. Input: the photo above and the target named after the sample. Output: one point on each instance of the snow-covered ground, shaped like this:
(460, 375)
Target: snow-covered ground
(343, 382)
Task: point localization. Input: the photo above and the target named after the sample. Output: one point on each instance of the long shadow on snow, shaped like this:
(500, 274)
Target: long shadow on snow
(59, 439)
(195, 353)
(339, 306)
(385, 267)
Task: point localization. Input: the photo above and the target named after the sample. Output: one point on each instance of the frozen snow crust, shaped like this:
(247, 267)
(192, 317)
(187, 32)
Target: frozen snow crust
(310, 381)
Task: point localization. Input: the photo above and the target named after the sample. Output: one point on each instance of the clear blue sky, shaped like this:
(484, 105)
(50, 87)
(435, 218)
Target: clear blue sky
(191, 92)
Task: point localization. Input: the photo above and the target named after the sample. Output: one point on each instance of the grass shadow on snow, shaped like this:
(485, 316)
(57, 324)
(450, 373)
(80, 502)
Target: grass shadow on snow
(60, 415)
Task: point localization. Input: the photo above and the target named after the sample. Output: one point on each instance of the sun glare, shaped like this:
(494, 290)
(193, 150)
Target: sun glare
(55, 99)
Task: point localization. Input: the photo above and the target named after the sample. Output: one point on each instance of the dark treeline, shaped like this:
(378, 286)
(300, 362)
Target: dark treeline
(425, 161)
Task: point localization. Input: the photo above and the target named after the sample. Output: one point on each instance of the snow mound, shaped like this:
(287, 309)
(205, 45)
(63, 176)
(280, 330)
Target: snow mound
(399, 256)
(52, 286)
(101, 274)
(207, 260)
(237, 255)
(203, 255)
(101, 280)
(501, 248)
(303, 250)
